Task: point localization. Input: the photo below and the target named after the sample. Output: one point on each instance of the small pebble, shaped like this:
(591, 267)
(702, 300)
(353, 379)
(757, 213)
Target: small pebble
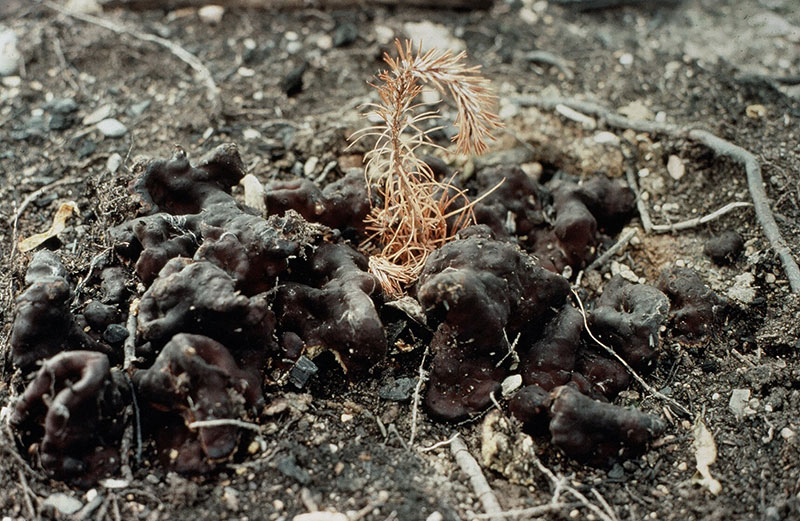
(64, 503)
(606, 138)
(115, 334)
(675, 167)
(251, 134)
(63, 106)
(98, 115)
(113, 163)
(626, 59)
(10, 57)
(246, 72)
(787, 433)
(310, 166)
(738, 402)
(112, 128)
(211, 14)
(755, 111)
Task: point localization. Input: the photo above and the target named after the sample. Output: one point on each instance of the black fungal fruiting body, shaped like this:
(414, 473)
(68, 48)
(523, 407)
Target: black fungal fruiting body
(232, 300)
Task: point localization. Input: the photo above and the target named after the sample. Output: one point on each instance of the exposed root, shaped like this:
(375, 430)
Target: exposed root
(479, 484)
(755, 181)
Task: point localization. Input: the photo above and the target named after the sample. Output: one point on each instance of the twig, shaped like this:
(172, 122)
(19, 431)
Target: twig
(26, 495)
(223, 422)
(560, 483)
(129, 347)
(297, 4)
(641, 207)
(530, 512)
(649, 388)
(479, 484)
(755, 182)
(212, 91)
(417, 391)
(35, 195)
(392, 429)
(697, 221)
(440, 443)
(548, 58)
(602, 259)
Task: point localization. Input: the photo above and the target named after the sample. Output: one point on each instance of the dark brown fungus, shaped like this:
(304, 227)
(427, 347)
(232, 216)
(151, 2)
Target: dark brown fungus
(43, 323)
(628, 317)
(335, 312)
(580, 210)
(485, 292)
(199, 297)
(513, 207)
(725, 247)
(531, 406)
(114, 285)
(199, 379)
(551, 359)
(598, 432)
(72, 408)
(342, 204)
(693, 303)
(607, 377)
(175, 187)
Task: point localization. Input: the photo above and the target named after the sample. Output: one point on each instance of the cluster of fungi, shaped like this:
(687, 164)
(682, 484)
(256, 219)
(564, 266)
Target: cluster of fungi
(227, 301)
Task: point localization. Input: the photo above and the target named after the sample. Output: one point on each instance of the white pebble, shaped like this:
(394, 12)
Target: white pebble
(310, 166)
(626, 59)
(787, 433)
(675, 167)
(113, 163)
(10, 57)
(98, 115)
(606, 138)
(251, 134)
(211, 14)
(246, 72)
(64, 503)
(112, 128)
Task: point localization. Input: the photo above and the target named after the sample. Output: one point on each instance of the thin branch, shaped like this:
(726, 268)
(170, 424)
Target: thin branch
(531, 512)
(752, 166)
(697, 221)
(212, 91)
(621, 242)
(417, 392)
(129, 347)
(649, 388)
(440, 444)
(479, 484)
(224, 422)
(641, 206)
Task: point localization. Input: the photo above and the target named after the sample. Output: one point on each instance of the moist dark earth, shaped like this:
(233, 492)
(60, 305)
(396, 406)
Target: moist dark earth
(291, 84)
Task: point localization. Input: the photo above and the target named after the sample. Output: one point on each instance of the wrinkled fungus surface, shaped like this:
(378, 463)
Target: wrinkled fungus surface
(198, 379)
(46, 302)
(229, 305)
(72, 407)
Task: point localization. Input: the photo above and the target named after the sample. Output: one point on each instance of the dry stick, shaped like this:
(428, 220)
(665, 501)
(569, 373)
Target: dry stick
(641, 206)
(225, 422)
(602, 259)
(129, 347)
(479, 484)
(415, 403)
(35, 195)
(296, 4)
(697, 221)
(536, 511)
(649, 388)
(440, 443)
(755, 182)
(560, 483)
(26, 495)
(212, 91)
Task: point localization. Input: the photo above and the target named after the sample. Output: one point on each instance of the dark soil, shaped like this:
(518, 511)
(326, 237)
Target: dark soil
(339, 446)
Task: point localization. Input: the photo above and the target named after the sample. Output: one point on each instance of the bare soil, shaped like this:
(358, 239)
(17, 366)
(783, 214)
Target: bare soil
(705, 63)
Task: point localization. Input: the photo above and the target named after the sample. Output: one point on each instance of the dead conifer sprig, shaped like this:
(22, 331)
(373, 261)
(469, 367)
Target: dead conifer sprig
(413, 219)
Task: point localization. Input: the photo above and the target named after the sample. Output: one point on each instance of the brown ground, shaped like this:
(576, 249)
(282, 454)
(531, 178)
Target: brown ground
(700, 63)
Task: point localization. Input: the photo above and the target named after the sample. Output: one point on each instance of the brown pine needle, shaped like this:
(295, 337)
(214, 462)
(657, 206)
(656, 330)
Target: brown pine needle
(413, 219)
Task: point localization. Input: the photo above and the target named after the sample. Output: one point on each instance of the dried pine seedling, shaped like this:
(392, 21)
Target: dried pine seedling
(413, 218)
